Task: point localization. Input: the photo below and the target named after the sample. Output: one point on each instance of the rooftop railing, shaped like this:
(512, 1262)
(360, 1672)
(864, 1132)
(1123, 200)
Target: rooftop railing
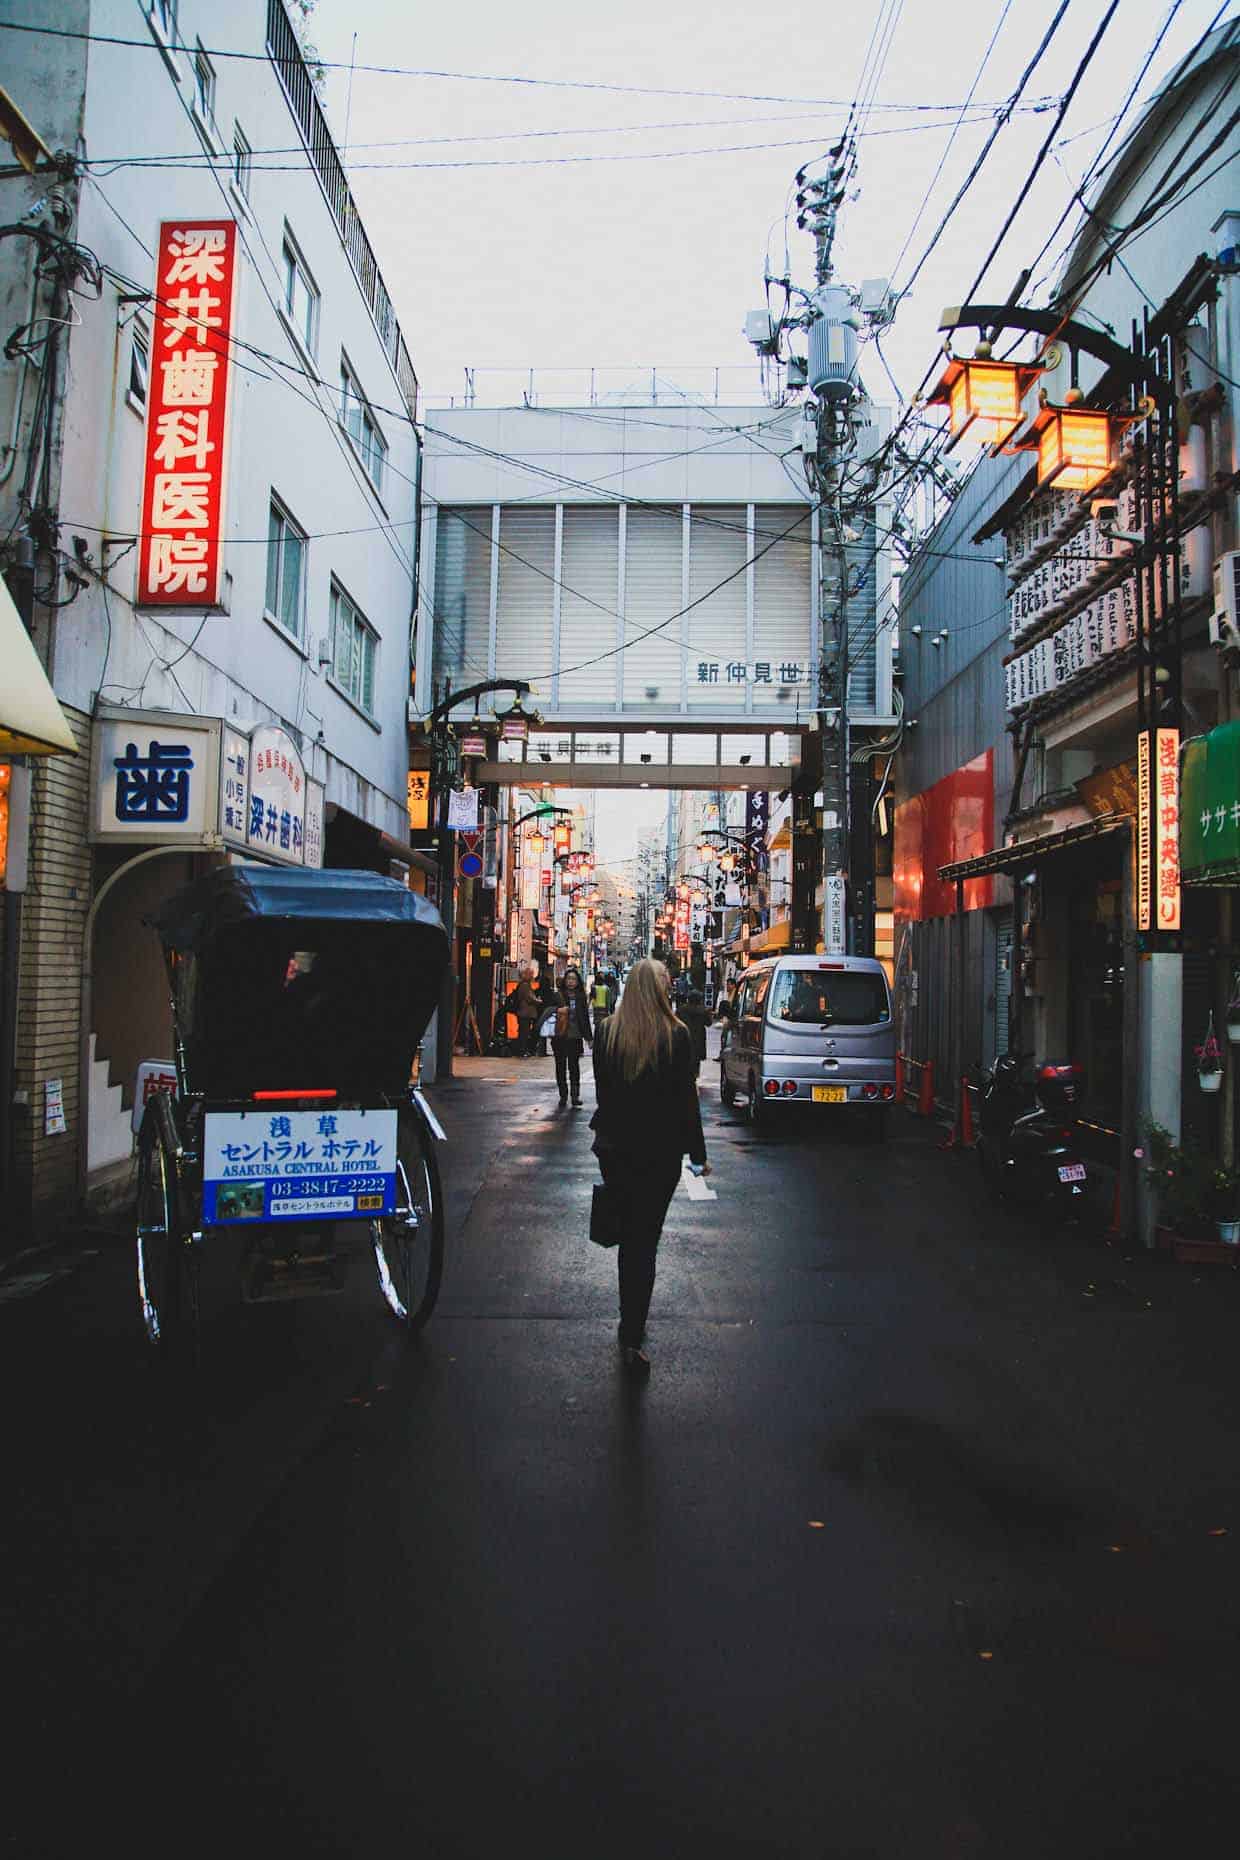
(298, 87)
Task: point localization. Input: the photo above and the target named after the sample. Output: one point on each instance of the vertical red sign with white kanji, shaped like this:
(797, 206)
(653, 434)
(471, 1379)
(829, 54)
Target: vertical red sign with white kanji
(187, 414)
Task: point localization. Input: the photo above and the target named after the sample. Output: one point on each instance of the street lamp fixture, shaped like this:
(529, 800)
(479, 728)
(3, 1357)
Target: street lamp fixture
(535, 843)
(984, 398)
(1077, 446)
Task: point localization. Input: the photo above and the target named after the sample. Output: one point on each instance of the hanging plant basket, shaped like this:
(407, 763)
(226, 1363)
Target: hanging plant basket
(1233, 1012)
(1209, 1057)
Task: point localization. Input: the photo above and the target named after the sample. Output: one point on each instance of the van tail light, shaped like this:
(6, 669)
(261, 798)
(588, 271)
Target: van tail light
(790, 1086)
(771, 1088)
(869, 1091)
(889, 1092)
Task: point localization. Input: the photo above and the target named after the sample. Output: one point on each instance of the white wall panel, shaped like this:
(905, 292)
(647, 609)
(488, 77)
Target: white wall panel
(783, 594)
(525, 598)
(653, 593)
(462, 595)
(717, 556)
(589, 572)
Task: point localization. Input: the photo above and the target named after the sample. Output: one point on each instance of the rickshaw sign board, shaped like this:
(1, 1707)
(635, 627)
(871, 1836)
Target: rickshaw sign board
(271, 1165)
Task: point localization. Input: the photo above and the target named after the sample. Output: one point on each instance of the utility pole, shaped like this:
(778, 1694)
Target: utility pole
(829, 439)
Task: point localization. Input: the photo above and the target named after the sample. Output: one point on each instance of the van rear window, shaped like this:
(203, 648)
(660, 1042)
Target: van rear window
(817, 998)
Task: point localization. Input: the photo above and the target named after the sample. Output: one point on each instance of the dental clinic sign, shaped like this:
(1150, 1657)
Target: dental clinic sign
(187, 415)
(160, 777)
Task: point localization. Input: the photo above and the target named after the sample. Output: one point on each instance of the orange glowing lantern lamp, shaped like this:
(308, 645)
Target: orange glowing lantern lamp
(1076, 445)
(535, 843)
(984, 397)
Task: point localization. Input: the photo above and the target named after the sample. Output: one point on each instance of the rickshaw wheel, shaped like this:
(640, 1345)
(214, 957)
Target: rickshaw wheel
(158, 1220)
(409, 1245)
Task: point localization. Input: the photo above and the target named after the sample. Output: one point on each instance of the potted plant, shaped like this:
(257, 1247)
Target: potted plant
(1182, 1178)
(1233, 1011)
(1226, 1194)
(1209, 1060)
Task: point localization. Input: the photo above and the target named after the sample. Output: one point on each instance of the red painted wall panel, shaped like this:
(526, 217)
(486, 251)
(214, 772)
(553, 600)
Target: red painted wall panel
(953, 820)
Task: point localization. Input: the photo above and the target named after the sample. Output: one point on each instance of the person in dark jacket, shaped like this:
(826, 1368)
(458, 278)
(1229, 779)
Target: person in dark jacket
(566, 1046)
(696, 1019)
(528, 1007)
(648, 1117)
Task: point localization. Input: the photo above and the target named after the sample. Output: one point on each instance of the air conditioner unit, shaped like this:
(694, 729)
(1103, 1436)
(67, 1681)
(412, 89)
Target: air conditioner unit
(1225, 619)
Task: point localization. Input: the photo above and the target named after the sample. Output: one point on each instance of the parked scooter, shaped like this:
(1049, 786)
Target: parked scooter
(1027, 1143)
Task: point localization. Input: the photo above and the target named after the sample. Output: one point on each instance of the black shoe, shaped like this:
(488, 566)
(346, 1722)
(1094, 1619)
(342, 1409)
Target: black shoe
(563, 1104)
(636, 1361)
(576, 1103)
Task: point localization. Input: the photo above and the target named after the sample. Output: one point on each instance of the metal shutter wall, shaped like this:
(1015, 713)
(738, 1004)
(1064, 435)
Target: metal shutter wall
(525, 596)
(590, 567)
(462, 594)
(652, 595)
(717, 549)
(783, 595)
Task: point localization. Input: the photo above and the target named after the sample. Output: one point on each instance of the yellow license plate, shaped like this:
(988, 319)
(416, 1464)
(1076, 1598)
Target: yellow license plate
(830, 1094)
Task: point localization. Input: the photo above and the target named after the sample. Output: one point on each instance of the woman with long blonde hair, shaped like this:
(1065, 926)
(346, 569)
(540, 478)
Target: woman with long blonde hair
(648, 1117)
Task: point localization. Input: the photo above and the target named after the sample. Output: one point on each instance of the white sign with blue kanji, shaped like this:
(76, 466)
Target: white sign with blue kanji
(272, 1165)
(156, 777)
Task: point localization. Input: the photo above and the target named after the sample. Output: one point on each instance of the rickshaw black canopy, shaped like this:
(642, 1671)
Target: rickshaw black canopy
(286, 978)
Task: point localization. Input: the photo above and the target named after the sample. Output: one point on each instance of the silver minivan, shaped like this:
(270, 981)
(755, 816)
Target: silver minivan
(810, 1030)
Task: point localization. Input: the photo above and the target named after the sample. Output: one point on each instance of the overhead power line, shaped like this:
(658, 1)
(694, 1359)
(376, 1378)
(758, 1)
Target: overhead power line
(471, 77)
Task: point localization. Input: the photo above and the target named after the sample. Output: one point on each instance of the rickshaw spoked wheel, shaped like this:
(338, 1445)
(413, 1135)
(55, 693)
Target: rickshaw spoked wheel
(167, 1287)
(408, 1245)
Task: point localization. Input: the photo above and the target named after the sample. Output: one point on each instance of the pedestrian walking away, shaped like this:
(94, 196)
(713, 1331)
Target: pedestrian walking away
(572, 1026)
(696, 1018)
(647, 1118)
(603, 996)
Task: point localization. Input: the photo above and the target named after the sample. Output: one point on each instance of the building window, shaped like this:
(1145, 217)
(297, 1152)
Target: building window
(242, 156)
(286, 569)
(139, 365)
(301, 294)
(361, 426)
(353, 652)
(204, 85)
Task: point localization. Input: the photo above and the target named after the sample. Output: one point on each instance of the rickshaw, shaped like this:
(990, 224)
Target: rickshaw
(299, 997)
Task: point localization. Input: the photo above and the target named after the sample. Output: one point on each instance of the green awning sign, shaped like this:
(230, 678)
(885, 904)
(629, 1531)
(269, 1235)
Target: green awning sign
(1210, 806)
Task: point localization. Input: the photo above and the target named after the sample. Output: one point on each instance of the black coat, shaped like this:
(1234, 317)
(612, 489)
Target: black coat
(654, 1117)
(696, 1019)
(583, 1030)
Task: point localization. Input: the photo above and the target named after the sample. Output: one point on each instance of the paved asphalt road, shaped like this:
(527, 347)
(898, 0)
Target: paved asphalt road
(922, 1539)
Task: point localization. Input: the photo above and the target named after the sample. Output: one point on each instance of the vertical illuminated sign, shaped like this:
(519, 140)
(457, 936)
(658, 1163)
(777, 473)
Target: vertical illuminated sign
(1167, 835)
(187, 415)
(1145, 833)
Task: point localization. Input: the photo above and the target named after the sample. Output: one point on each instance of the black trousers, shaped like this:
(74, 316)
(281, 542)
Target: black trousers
(567, 1065)
(527, 1037)
(646, 1185)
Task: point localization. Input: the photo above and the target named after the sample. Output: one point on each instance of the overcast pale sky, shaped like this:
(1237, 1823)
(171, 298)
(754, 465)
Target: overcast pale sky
(655, 261)
(646, 262)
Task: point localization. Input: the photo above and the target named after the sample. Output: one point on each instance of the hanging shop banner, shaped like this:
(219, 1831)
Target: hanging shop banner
(1167, 832)
(463, 810)
(181, 563)
(1145, 831)
(682, 935)
(757, 816)
(419, 800)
